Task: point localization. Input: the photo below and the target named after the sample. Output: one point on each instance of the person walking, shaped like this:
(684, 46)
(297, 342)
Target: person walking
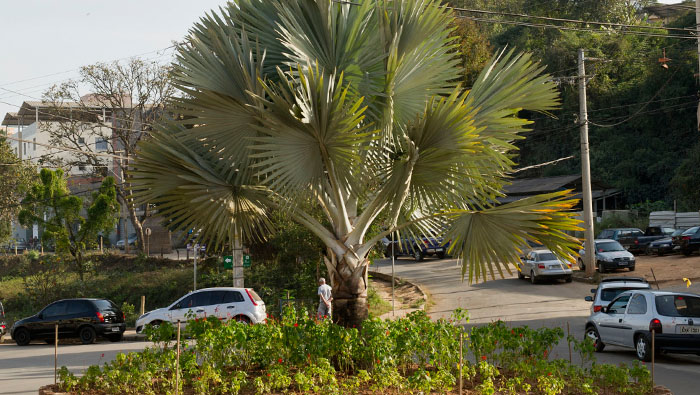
(326, 297)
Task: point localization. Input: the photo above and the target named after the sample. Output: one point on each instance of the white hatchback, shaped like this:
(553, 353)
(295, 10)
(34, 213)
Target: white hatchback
(241, 304)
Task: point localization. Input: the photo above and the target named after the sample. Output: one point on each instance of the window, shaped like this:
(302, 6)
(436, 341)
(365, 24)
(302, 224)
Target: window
(202, 299)
(546, 256)
(184, 303)
(81, 140)
(619, 305)
(81, 167)
(609, 294)
(104, 304)
(232, 297)
(101, 144)
(606, 234)
(609, 246)
(638, 305)
(54, 310)
(34, 141)
(78, 307)
(678, 305)
(24, 147)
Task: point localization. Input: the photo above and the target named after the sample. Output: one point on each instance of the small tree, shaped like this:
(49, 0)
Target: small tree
(15, 178)
(63, 218)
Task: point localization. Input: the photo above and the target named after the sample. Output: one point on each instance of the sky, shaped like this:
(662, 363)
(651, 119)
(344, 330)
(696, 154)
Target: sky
(45, 41)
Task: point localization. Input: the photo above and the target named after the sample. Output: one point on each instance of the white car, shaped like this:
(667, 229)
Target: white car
(543, 264)
(241, 304)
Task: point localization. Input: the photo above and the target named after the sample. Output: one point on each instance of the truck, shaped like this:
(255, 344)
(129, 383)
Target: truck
(637, 242)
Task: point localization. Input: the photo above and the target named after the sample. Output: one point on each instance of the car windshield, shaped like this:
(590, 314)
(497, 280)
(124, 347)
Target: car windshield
(103, 305)
(678, 232)
(609, 294)
(691, 231)
(609, 246)
(678, 305)
(546, 256)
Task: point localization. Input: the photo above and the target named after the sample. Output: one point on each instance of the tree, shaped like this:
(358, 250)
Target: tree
(124, 100)
(15, 179)
(66, 220)
(356, 109)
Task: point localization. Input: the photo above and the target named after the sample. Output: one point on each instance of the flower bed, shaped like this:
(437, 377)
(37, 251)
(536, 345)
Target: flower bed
(298, 354)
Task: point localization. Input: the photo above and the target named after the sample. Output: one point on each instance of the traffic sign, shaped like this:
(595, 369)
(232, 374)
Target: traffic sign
(246, 260)
(228, 262)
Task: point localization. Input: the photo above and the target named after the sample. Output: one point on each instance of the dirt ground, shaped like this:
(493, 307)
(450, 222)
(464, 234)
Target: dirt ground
(668, 269)
(407, 295)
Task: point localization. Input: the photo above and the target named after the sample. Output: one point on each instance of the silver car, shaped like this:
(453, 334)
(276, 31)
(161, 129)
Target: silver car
(543, 264)
(629, 320)
(611, 287)
(609, 255)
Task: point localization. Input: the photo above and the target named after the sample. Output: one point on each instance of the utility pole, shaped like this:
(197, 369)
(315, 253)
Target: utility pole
(589, 257)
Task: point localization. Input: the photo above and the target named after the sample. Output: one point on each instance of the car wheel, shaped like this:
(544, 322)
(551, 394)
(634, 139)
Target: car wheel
(22, 337)
(601, 269)
(631, 268)
(643, 348)
(417, 254)
(242, 318)
(592, 333)
(533, 278)
(154, 324)
(441, 255)
(569, 279)
(660, 252)
(687, 252)
(521, 275)
(581, 265)
(115, 338)
(87, 335)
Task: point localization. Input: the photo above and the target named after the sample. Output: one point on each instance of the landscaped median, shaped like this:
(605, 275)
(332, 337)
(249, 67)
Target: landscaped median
(299, 354)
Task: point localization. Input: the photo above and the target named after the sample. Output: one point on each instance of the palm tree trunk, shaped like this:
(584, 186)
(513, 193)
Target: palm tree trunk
(349, 283)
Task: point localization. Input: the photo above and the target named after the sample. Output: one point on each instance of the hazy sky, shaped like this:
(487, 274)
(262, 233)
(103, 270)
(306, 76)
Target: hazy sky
(42, 37)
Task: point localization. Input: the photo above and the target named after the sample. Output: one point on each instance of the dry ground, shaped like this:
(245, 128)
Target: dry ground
(667, 269)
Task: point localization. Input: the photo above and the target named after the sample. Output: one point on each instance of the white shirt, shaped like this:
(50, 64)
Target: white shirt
(325, 291)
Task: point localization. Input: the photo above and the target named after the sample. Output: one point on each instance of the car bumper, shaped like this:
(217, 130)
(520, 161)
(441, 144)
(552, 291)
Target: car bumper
(3, 328)
(665, 248)
(616, 265)
(678, 343)
(108, 329)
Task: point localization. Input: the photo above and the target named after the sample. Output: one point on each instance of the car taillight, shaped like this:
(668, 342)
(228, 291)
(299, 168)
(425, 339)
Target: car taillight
(685, 238)
(655, 326)
(100, 317)
(541, 266)
(251, 297)
(597, 308)
(636, 242)
(124, 316)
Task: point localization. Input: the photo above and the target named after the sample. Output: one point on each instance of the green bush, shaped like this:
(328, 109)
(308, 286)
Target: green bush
(300, 353)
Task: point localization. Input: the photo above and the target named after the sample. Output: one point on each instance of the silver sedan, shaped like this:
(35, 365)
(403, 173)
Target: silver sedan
(543, 264)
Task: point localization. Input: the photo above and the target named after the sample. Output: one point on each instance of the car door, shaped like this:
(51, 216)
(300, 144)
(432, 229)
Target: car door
(233, 304)
(178, 310)
(635, 318)
(201, 301)
(77, 313)
(610, 325)
(53, 314)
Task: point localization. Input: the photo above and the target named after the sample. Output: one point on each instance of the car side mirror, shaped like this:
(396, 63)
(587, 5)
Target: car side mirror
(588, 298)
(593, 290)
(604, 309)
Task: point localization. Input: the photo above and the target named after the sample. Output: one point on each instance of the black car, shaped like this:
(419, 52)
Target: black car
(689, 240)
(76, 318)
(665, 245)
(417, 248)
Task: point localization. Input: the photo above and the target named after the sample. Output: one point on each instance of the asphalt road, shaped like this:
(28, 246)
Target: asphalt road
(542, 305)
(24, 369)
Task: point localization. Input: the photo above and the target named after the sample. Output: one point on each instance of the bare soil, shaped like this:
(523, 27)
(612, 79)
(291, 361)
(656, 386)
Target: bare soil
(407, 295)
(667, 269)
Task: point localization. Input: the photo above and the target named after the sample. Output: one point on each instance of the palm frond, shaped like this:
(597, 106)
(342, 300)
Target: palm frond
(491, 239)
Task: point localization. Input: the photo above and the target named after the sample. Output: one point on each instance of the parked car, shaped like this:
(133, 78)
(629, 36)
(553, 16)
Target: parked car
(609, 255)
(241, 304)
(689, 241)
(665, 245)
(619, 233)
(417, 248)
(18, 244)
(637, 243)
(76, 318)
(610, 287)
(132, 241)
(3, 325)
(629, 320)
(543, 264)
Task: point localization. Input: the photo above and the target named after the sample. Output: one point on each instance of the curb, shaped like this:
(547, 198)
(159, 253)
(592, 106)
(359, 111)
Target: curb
(397, 280)
(129, 336)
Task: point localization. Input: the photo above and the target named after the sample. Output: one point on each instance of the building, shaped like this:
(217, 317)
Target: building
(605, 197)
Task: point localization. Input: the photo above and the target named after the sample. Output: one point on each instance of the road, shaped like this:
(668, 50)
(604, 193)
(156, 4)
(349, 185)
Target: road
(24, 369)
(542, 305)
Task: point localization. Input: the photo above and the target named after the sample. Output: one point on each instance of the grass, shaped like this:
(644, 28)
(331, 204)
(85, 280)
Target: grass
(377, 305)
